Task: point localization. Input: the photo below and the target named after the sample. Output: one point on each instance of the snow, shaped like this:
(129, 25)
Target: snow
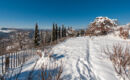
(6, 31)
(106, 21)
(83, 59)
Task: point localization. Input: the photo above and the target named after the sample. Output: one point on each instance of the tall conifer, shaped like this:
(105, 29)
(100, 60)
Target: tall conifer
(53, 33)
(36, 36)
(59, 33)
(62, 30)
(56, 32)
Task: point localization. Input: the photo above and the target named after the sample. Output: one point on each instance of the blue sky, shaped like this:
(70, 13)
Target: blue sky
(76, 13)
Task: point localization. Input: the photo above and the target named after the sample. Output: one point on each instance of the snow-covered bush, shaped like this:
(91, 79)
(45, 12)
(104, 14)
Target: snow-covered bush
(120, 58)
(101, 26)
(124, 33)
(70, 32)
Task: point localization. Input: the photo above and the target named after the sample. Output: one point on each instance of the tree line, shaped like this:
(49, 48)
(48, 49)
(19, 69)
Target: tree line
(14, 58)
(42, 38)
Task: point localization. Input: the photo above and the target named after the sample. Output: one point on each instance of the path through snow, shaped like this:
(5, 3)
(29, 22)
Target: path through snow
(83, 59)
(76, 61)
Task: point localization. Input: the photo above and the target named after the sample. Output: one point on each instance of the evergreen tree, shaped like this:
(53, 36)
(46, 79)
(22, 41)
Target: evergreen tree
(65, 32)
(36, 36)
(62, 30)
(59, 33)
(53, 33)
(56, 32)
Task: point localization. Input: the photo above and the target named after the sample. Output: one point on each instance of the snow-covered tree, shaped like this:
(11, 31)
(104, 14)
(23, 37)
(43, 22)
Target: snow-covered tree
(102, 25)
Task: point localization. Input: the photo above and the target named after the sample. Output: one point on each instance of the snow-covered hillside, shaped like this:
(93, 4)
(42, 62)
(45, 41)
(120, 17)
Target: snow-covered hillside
(7, 31)
(83, 59)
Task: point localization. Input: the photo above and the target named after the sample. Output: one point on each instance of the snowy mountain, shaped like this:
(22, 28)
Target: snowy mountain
(4, 33)
(6, 30)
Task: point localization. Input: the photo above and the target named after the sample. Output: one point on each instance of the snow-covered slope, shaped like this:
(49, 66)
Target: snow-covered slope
(83, 59)
(6, 31)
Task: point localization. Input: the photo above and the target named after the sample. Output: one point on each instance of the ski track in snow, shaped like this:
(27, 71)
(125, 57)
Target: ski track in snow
(85, 71)
(85, 60)
(82, 59)
(78, 54)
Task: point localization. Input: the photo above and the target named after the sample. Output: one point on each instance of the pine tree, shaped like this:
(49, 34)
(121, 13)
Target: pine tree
(65, 32)
(56, 32)
(53, 33)
(36, 36)
(62, 30)
(59, 33)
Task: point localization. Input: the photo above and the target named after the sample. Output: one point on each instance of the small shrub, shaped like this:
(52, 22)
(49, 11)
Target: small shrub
(120, 58)
(123, 33)
(39, 53)
(51, 72)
